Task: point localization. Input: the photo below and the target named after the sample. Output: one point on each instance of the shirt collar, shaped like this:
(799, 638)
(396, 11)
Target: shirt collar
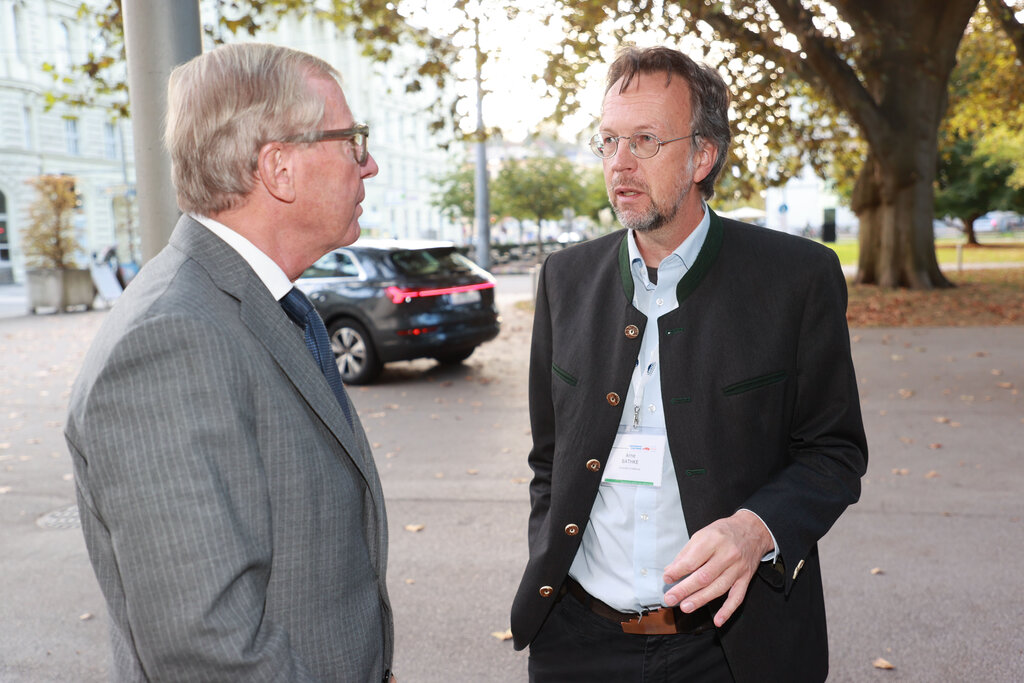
(684, 255)
(269, 273)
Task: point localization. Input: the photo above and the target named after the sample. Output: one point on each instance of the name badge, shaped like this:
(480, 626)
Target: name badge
(635, 460)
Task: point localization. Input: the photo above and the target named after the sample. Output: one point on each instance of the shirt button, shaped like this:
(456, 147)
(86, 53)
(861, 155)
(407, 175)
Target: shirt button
(644, 517)
(613, 398)
(660, 302)
(651, 408)
(643, 572)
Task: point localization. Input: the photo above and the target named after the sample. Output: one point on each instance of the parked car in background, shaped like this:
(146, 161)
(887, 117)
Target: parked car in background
(999, 221)
(390, 300)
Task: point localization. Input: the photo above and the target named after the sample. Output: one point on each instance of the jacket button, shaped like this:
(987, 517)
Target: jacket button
(546, 591)
(594, 465)
(613, 398)
(571, 529)
(632, 331)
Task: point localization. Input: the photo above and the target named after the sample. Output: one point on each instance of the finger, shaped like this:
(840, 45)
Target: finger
(703, 585)
(732, 603)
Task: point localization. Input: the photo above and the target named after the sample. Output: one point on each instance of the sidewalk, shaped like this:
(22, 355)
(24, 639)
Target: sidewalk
(924, 571)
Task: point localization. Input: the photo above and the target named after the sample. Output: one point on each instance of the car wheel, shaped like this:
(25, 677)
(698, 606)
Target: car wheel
(454, 357)
(358, 362)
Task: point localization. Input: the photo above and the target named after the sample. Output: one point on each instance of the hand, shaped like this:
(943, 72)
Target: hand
(722, 557)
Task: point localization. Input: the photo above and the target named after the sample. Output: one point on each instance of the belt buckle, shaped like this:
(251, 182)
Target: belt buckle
(652, 622)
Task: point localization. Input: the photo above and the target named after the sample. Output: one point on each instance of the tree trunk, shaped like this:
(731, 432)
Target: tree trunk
(969, 233)
(897, 239)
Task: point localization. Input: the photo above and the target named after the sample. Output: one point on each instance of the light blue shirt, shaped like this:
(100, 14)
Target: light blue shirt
(635, 531)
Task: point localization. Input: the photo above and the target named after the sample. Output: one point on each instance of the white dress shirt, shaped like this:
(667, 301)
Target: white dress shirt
(266, 269)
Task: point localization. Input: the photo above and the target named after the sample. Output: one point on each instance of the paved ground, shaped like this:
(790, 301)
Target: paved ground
(924, 572)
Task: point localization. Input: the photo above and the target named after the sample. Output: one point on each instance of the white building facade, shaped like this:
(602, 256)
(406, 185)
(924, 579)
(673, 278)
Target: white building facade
(95, 147)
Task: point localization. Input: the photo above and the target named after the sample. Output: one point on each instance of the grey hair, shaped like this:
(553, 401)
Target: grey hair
(224, 105)
(709, 96)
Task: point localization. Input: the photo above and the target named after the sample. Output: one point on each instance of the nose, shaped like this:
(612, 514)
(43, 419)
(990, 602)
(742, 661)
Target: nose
(370, 168)
(623, 158)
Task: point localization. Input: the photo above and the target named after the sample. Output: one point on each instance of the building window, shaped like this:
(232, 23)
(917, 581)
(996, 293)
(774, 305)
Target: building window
(64, 51)
(26, 115)
(110, 146)
(5, 247)
(16, 33)
(71, 135)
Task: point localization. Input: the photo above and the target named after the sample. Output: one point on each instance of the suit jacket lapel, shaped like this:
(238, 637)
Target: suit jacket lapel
(267, 321)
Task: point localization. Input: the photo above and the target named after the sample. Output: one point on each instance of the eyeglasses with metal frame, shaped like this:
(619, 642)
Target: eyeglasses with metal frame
(357, 135)
(642, 145)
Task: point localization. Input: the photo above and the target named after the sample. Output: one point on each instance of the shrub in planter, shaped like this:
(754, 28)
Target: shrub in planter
(53, 277)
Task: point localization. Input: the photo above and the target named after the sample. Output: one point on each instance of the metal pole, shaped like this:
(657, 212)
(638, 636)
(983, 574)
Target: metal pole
(158, 36)
(483, 204)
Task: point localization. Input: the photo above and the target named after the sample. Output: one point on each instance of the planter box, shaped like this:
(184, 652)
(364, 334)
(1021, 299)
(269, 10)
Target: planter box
(59, 289)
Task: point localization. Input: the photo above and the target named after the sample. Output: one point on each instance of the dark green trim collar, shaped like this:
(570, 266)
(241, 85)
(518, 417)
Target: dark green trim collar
(705, 259)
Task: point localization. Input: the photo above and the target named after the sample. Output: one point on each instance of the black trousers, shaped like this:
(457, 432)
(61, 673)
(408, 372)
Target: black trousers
(577, 646)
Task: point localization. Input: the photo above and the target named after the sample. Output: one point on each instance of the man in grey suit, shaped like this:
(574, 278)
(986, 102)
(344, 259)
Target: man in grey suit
(229, 499)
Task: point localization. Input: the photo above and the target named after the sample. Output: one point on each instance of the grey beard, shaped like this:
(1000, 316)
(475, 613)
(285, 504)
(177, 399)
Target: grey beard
(651, 220)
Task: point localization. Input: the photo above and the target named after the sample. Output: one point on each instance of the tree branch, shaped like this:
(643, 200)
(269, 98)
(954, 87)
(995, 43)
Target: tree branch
(1006, 17)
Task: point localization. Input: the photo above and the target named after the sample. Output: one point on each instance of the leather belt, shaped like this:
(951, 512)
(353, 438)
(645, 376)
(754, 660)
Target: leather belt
(663, 621)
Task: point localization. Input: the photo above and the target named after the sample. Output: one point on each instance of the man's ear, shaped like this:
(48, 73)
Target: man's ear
(705, 161)
(274, 169)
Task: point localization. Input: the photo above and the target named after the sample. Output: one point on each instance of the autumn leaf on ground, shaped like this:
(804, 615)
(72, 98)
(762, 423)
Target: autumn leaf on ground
(882, 664)
(906, 393)
(472, 471)
(942, 420)
(1005, 385)
(902, 471)
(415, 527)
(932, 475)
(410, 581)
(935, 446)
(5, 489)
(502, 635)
(876, 571)
(86, 617)
(520, 480)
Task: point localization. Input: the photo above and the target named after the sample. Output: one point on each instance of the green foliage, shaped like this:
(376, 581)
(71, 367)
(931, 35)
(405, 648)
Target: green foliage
(540, 188)
(593, 195)
(982, 138)
(49, 241)
(456, 193)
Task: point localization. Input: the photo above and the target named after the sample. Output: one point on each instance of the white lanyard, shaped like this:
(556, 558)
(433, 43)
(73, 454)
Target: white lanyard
(641, 376)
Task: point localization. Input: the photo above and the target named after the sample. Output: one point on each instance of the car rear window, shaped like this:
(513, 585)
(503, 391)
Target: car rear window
(431, 261)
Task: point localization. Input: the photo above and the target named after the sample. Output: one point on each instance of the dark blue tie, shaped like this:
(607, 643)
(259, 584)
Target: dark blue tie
(298, 308)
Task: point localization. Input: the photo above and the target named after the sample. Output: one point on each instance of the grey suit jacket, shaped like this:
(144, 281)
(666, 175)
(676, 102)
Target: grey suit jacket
(761, 410)
(234, 520)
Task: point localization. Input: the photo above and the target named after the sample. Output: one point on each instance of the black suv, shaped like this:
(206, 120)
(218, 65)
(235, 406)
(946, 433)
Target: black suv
(394, 300)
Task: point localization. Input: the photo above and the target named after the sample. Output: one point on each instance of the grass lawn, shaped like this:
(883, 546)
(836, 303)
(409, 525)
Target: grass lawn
(993, 249)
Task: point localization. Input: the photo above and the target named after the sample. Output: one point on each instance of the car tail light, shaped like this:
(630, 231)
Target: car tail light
(401, 294)
(416, 331)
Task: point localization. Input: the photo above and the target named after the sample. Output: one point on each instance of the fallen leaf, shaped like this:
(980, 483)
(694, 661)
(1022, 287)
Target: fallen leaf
(876, 571)
(520, 480)
(5, 489)
(375, 445)
(896, 357)
(502, 635)
(1005, 385)
(86, 617)
(935, 446)
(906, 440)
(882, 664)
(472, 471)
(415, 527)
(997, 373)
(942, 420)
(390, 455)
(68, 477)
(882, 412)
(932, 475)
(906, 393)
(980, 354)
(902, 471)
(439, 475)
(410, 581)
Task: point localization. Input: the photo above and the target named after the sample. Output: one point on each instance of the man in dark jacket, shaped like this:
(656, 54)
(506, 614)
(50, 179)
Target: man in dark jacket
(696, 424)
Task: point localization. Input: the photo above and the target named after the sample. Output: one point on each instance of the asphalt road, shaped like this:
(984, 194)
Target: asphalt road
(923, 572)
